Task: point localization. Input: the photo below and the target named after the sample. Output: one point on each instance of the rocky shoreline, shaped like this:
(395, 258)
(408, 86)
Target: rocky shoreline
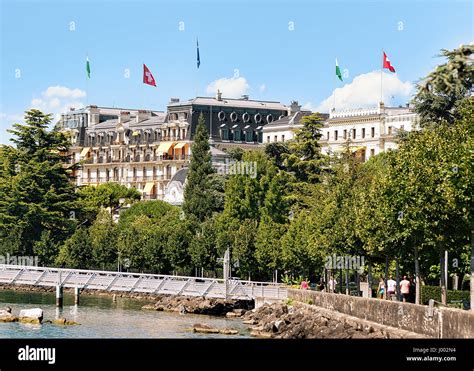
(200, 305)
(303, 321)
(32, 316)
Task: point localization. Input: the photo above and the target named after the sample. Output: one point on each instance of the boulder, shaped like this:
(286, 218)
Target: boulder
(278, 325)
(232, 315)
(228, 331)
(206, 330)
(149, 307)
(34, 315)
(59, 321)
(7, 317)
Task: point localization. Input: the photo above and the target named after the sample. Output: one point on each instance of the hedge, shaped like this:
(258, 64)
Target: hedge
(434, 292)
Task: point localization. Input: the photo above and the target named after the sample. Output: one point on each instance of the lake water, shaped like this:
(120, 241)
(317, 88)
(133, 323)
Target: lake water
(101, 317)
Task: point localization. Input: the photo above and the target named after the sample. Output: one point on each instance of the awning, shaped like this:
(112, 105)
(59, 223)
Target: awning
(164, 147)
(135, 133)
(222, 126)
(85, 151)
(355, 149)
(148, 187)
(246, 127)
(259, 127)
(233, 127)
(179, 145)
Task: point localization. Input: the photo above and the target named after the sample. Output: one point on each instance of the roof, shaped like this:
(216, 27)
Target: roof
(231, 102)
(159, 118)
(180, 175)
(293, 119)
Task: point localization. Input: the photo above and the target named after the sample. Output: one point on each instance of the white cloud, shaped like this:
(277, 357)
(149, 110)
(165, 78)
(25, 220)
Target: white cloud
(262, 88)
(63, 92)
(231, 88)
(364, 91)
(58, 99)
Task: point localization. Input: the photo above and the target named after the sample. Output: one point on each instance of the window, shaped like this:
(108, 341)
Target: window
(363, 132)
(402, 127)
(282, 138)
(354, 133)
(389, 130)
(275, 139)
(372, 132)
(327, 135)
(225, 134)
(345, 134)
(335, 134)
(260, 137)
(372, 152)
(249, 136)
(237, 135)
(268, 138)
(183, 135)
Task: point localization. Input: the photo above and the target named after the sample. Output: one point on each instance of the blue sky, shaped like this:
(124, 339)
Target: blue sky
(271, 50)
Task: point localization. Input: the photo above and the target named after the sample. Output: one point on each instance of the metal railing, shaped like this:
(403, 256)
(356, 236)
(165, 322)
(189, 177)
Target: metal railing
(140, 282)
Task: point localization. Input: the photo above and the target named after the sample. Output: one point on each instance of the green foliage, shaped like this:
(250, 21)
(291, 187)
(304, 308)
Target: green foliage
(103, 234)
(107, 195)
(36, 196)
(76, 251)
(198, 200)
(442, 92)
(434, 292)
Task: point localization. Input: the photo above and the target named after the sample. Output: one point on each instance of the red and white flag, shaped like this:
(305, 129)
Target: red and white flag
(386, 63)
(148, 77)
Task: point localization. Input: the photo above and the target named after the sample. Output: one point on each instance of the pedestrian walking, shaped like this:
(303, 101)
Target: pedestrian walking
(391, 288)
(405, 288)
(332, 284)
(381, 288)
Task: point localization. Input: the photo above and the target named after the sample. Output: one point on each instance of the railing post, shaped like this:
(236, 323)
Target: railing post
(59, 291)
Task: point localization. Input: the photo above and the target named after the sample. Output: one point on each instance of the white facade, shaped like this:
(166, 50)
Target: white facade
(369, 131)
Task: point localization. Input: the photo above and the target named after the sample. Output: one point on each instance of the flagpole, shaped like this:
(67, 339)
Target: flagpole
(381, 79)
(334, 92)
(87, 80)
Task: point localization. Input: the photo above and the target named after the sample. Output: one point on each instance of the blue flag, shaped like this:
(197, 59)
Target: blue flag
(198, 58)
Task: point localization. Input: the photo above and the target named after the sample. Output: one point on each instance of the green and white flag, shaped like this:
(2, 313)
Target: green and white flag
(88, 68)
(338, 71)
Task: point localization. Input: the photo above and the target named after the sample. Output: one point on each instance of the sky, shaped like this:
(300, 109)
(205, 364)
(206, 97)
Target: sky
(271, 50)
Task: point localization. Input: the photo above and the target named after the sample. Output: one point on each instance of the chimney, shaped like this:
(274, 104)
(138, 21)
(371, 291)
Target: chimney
(143, 115)
(94, 115)
(72, 109)
(174, 100)
(219, 95)
(244, 97)
(124, 117)
(294, 107)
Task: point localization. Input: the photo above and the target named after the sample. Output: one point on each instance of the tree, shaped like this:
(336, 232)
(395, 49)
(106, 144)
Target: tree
(103, 234)
(198, 199)
(36, 195)
(107, 195)
(76, 251)
(304, 159)
(441, 93)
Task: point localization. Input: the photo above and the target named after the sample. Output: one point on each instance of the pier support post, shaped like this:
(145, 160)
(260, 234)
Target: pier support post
(77, 292)
(59, 295)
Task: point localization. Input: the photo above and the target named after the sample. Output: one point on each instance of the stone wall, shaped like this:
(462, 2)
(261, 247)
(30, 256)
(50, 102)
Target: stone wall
(441, 323)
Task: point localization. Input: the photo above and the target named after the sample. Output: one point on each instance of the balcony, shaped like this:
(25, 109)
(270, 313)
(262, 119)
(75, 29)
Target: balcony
(124, 180)
(137, 159)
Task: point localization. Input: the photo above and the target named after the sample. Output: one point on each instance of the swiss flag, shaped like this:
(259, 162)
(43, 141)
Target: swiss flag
(386, 63)
(147, 76)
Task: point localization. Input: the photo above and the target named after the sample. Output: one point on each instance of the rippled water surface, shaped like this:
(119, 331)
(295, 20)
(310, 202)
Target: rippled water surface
(101, 317)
